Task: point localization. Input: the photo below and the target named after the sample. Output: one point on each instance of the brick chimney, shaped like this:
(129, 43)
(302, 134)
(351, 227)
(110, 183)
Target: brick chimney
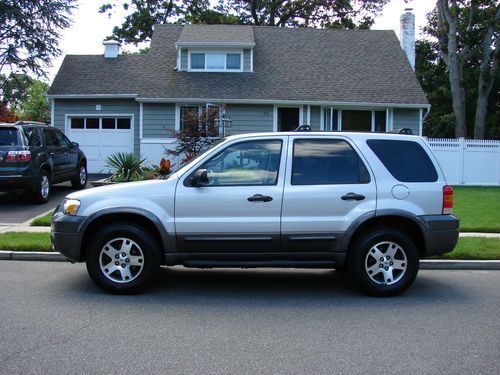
(407, 35)
(111, 49)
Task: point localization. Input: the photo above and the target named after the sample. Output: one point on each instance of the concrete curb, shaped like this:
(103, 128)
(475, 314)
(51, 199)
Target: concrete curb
(424, 264)
(32, 255)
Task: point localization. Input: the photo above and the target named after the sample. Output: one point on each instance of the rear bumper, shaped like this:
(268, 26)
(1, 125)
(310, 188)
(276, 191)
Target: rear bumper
(66, 236)
(18, 182)
(441, 233)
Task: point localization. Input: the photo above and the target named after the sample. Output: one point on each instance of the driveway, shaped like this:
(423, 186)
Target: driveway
(53, 320)
(17, 207)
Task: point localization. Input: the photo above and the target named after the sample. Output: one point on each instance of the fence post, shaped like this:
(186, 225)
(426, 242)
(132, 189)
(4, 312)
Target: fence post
(461, 147)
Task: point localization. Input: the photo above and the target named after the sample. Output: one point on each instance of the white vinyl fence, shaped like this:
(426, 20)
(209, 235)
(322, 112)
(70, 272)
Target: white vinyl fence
(468, 161)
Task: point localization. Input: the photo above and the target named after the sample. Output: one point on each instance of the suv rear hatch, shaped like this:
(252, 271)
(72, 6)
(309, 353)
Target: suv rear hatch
(11, 143)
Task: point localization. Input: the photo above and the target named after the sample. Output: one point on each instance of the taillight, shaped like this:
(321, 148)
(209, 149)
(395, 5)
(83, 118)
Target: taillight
(447, 199)
(18, 156)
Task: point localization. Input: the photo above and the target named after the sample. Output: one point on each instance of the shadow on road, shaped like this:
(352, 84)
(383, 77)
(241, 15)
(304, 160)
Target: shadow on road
(274, 287)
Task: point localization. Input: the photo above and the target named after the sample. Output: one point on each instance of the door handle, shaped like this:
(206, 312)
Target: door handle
(260, 198)
(353, 197)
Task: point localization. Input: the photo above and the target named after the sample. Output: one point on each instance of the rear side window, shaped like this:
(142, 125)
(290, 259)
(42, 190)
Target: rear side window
(326, 162)
(8, 137)
(407, 161)
(33, 136)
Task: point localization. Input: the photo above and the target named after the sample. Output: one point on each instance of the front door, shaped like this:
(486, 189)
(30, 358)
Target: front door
(327, 188)
(239, 209)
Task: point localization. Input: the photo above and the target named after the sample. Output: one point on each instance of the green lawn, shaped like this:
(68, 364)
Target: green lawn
(43, 221)
(478, 208)
(471, 248)
(22, 241)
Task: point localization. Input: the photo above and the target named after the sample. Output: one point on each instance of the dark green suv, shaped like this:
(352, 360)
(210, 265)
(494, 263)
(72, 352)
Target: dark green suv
(35, 155)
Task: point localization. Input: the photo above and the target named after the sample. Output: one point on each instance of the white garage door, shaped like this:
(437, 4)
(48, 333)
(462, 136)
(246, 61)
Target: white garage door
(99, 137)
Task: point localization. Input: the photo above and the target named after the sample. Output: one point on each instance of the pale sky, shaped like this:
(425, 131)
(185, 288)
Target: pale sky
(89, 28)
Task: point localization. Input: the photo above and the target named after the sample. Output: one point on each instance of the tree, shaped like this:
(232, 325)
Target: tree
(29, 33)
(138, 25)
(467, 34)
(13, 90)
(36, 105)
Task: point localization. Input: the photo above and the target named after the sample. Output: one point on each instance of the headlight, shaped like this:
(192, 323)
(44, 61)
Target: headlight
(71, 206)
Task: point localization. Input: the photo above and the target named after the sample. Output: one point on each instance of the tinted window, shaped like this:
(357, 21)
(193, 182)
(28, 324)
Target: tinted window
(51, 138)
(63, 140)
(326, 161)
(8, 136)
(407, 161)
(33, 136)
(245, 163)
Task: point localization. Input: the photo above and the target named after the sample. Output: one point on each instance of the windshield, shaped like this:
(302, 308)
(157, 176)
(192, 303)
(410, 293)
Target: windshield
(8, 137)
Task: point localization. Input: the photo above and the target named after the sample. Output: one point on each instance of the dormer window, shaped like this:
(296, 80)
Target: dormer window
(215, 61)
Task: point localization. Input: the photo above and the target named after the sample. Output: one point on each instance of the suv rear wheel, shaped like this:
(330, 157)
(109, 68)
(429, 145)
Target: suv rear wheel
(42, 189)
(123, 259)
(384, 262)
(79, 180)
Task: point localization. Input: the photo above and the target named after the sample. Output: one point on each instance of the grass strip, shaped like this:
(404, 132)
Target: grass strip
(474, 248)
(468, 248)
(25, 241)
(478, 208)
(42, 221)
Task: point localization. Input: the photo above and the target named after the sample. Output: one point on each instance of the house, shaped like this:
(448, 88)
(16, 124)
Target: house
(259, 79)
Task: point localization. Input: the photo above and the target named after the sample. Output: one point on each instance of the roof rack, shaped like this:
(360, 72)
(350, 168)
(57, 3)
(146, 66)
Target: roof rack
(303, 128)
(401, 131)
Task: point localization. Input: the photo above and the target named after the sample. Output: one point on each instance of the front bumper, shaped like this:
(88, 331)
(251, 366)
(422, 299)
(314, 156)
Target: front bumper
(440, 234)
(66, 235)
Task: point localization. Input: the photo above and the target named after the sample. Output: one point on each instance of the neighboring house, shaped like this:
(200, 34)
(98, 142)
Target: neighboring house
(260, 78)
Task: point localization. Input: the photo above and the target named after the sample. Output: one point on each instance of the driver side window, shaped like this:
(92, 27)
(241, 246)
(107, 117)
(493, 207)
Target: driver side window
(245, 163)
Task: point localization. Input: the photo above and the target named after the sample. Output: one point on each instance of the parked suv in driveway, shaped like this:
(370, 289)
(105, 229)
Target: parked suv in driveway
(34, 155)
(373, 204)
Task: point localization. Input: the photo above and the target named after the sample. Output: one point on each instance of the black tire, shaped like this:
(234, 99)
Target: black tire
(384, 262)
(139, 248)
(41, 194)
(79, 180)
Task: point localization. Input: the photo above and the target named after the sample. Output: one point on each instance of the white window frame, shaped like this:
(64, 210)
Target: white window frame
(207, 52)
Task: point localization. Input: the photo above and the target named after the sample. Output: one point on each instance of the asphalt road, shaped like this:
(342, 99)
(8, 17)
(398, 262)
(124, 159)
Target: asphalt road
(54, 320)
(16, 207)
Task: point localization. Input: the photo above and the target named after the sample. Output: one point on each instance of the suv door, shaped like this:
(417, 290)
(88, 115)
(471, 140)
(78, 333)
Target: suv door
(56, 151)
(327, 188)
(70, 153)
(239, 209)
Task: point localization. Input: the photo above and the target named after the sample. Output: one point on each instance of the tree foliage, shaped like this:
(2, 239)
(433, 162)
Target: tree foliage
(30, 32)
(24, 97)
(144, 14)
(467, 34)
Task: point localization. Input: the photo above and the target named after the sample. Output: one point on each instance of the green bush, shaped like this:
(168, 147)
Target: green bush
(126, 166)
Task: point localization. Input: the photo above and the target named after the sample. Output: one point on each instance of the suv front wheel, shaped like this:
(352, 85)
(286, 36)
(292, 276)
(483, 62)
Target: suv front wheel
(122, 259)
(384, 262)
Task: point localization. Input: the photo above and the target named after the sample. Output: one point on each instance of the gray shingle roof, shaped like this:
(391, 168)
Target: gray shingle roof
(216, 34)
(366, 66)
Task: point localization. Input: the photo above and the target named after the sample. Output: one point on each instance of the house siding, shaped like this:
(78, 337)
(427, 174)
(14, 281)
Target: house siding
(406, 118)
(247, 60)
(158, 120)
(184, 59)
(62, 107)
(250, 118)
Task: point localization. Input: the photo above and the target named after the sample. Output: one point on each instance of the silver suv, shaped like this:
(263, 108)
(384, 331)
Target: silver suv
(371, 204)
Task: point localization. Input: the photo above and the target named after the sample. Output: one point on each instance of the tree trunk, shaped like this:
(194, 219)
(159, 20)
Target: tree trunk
(447, 24)
(487, 75)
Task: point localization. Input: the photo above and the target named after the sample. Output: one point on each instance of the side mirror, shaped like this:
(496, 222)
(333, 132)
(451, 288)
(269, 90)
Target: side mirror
(74, 145)
(199, 178)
